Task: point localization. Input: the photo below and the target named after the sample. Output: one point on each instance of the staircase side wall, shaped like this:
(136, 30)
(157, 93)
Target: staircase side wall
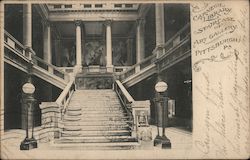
(50, 122)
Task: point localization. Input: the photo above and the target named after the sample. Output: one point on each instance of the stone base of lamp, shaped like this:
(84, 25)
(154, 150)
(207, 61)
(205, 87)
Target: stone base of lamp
(165, 142)
(28, 143)
(157, 140)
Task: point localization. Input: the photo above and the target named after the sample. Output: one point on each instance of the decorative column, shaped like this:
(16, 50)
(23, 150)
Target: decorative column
(140, 48)
(83, 32)
(109, 46)
(129, 43)
(27, 25)
(159, 27)
(47, 42)
(78, 44)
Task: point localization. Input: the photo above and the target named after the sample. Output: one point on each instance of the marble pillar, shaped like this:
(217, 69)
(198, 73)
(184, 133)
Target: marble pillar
(159, 27)
(47, 55)
(27, 25)
(140, 47)
(109, 45)
(78, 44)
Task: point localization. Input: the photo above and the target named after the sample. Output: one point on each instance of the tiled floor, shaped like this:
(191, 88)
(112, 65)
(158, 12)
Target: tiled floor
(181, 144)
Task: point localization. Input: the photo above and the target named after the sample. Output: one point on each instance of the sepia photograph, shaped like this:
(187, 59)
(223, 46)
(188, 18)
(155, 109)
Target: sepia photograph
(124, 79)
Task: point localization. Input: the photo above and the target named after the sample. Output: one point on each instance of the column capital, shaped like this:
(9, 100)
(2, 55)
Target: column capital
(107, 22)
(78, 23)
(140, 22)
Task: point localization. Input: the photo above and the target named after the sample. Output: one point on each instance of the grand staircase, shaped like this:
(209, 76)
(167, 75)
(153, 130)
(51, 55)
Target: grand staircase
(95, 119)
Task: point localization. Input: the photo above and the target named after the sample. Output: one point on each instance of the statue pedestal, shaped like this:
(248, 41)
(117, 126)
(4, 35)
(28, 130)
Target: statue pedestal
(110, 69)
(94, 81)
(94, 69)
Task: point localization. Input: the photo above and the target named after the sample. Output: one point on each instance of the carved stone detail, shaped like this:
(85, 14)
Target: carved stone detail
(78, 23)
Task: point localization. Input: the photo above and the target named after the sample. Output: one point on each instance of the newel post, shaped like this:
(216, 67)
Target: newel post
(141, 113)
(50, 119)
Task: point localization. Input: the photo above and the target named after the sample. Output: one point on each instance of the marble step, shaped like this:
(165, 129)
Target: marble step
(96, 133)
(82, 101)
(95, 146)
(104, 139)
(95, 128)
(98, 110)
(95, 123)
(71, 118)
(95, 103)
(96, 114)
(90, 109)
(74, 113)
(94, 118)
(94, 92)
(99, 113)
(89, 121)
(95, 96)
(74, 108)
(98, 117)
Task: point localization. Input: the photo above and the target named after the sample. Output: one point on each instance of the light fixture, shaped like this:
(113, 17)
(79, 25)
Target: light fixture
(28, 88)
(161, 87)
(28, 102)
(161, 109)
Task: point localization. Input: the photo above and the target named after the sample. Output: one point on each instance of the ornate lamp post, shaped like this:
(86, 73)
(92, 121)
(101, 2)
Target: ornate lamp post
(28, 102)
(161, 113)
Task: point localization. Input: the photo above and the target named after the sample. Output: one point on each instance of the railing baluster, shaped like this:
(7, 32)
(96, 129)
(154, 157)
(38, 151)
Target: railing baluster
(51, 70)
(137, 69)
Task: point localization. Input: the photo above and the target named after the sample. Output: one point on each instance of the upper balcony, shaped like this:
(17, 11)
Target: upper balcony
(86, 7)
(98, 11)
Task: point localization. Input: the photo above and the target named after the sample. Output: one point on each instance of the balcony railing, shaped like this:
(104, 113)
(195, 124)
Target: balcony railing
(178, 45)
(66, 69)
(176, 40)
(118, 69)
(137, 67)
(50, 68)
(99, 6)
(15, 46)
(20, 54)
(177, 49)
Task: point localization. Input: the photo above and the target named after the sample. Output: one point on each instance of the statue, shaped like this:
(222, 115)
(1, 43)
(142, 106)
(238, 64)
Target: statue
(95, 53)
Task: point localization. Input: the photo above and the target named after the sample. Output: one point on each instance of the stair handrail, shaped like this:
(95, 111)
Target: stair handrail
(29, 55)
(126, 99)
(124, 91)
(134, 109)
(50, 68)
(18, 47)
(65, 96)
